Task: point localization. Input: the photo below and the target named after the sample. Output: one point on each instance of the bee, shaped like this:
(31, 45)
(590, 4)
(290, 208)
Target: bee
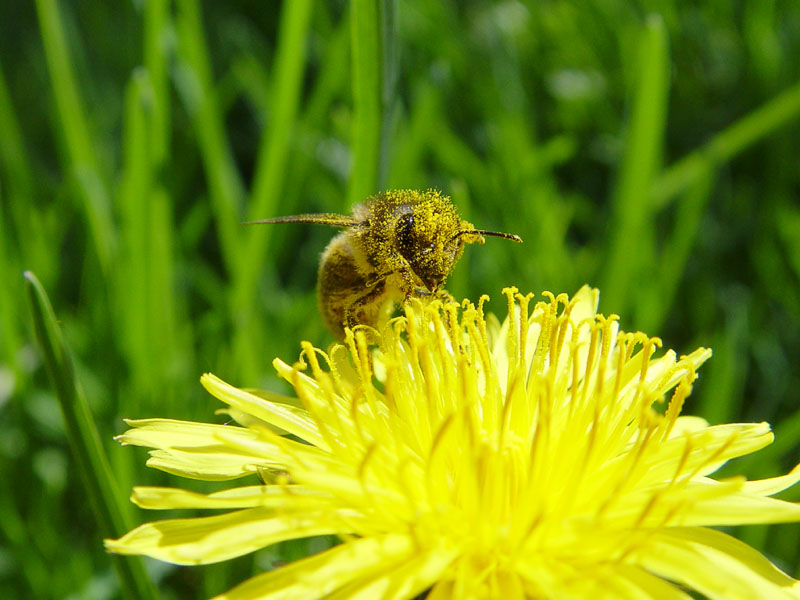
(396, 245)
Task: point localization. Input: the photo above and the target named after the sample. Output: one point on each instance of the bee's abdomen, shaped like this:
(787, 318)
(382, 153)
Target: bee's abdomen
(343, 294)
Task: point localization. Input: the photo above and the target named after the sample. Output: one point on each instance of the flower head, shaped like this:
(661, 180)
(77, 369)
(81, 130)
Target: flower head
(541, 458)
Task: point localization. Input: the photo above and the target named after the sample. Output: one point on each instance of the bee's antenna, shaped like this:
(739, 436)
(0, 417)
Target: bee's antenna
(313, 219)
(508, 236)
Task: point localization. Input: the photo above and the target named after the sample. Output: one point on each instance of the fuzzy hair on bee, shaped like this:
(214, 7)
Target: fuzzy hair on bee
(396, 245)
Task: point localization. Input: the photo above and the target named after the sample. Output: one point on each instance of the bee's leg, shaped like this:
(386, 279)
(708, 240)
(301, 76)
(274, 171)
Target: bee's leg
(410, 288)
(443, 295)
(366, 309)
(414, 291)
(347, 296)
(419, 292)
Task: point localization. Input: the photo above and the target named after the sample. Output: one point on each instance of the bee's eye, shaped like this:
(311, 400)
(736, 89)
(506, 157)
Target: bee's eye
(405, 234)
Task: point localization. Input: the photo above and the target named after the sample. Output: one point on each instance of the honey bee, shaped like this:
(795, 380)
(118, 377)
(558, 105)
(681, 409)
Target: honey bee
(396, 245)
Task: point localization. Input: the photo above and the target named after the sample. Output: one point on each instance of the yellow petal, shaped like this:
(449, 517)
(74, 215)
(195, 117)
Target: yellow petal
(217, 466)
(399, 581)
(742, 509)
(627, 582)
(172, 433)
(320, 575)
(715, 564)
(289, 418)
(286, 497)
(773, 485)
(211, 452)
(706, 450)
(617, 582)
(687, 424)
(205, 540)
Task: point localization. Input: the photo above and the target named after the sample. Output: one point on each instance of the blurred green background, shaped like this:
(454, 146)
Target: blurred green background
(649, 148)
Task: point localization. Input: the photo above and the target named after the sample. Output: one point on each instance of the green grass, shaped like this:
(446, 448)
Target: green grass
(647, 148)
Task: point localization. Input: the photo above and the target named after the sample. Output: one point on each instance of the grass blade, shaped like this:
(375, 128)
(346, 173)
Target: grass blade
(286, 82)
(22, 226)
(83, 163)
(270, 172)
(631, 230)
(133, 204)
(389, 53)
(13, 155)
(9, 332)
(371, 35)
(145, 279)
(156, 61)
(87, 449)
(658, 298)
(745, 132)
(196, 85)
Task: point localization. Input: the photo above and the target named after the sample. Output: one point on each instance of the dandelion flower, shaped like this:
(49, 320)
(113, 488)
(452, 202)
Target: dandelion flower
(542, 458)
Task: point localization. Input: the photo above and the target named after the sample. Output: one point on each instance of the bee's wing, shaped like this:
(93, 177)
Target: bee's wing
(315, 219)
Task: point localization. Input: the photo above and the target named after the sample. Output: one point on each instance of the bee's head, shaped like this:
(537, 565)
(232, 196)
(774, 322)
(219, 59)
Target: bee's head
(431, 236)
(430, 245)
